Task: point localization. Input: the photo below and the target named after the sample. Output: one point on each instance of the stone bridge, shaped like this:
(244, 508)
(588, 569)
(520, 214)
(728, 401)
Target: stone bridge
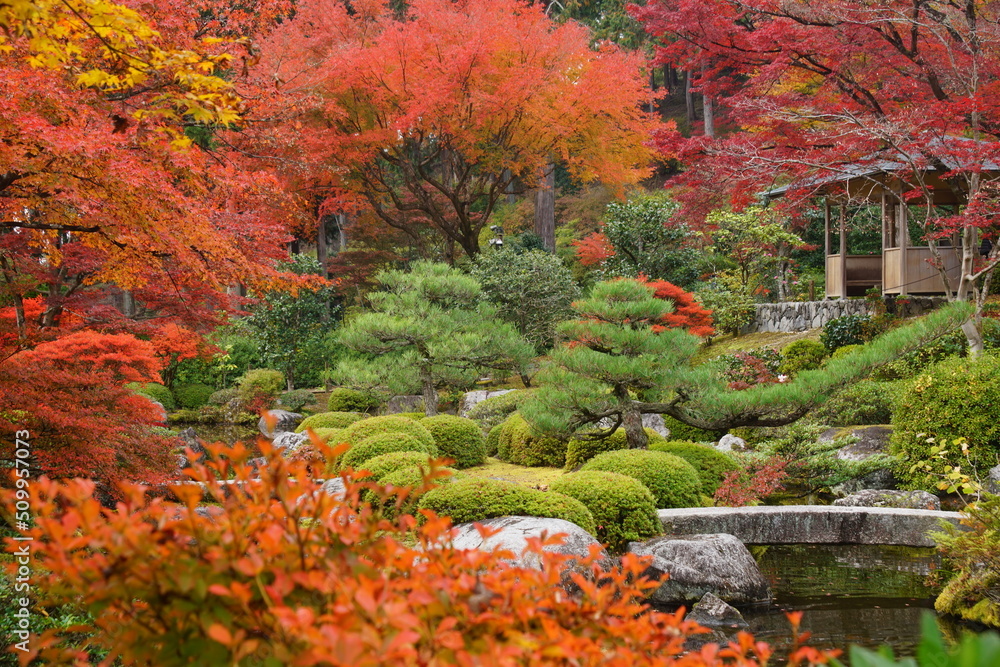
(810, 524)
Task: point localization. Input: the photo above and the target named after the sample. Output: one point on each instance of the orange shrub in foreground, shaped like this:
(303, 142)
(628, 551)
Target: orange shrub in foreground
(284, 575)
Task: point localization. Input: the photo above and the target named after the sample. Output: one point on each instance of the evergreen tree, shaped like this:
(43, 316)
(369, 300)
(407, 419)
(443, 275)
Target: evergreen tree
(620, 365)
(429, 328)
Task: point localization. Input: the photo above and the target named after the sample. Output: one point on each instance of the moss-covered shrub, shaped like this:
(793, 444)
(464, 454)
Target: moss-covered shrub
(157, 392)
(259, 388)
(681, 431)
(417, 416)
(193, 396)
(496, 410)
(411, 478)
(296, 399)
(673, 481)
(802, 355)
(845, 350)
(623, 508)
(863, 403)
(522, 445)
(457, 438)
(383, 464)
(329, 420)
(579, 451)
(468, 500)
(711, 464)
(492, 442)
(382, 443)
(351, 400)
(952, 399)
(332, 436)
(366, 428)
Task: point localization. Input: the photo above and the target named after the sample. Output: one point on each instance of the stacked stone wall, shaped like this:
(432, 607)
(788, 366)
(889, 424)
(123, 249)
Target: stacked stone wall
(802, 315)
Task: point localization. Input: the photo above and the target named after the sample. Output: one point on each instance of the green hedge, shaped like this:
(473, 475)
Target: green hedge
(457, 438)
(673, 481)
(193, 396)
(579, 452)
(332, 436)
(412, 478)
(623, 508)
(711, 464)
(155, 391)
(383, 443)
(388, 424)
(295, 399)
(955, 398)
(351, 400)
(521, 445)
(802, 355)
(492, 443)
(496, 410)
(469, 500)
(681, 431)
(330, 420)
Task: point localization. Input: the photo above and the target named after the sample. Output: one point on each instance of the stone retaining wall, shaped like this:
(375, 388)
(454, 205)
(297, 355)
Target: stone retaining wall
(802, 315)
(810, 524)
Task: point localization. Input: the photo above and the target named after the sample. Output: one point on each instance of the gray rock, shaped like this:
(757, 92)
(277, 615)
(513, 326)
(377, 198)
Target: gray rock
(287, 442)
(194, 443)
(993, 480)
(282, 421)
(655, 422)
(713, 612)
(914, 500)
(334, 487)
(472, 398)
(513, 535)
(699, 564)
(731, 443)
(399, 404)
(872, 441)
(163, 410)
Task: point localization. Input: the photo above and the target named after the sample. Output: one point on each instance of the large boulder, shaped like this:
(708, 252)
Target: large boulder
(273, 422)
(399, 404)
(472, 398)
(655, 422)
(193, 442)
(288, 443)
(731, 443)
(514, 531)
(872, 441)
(698, 564)
(993, 480)
(912, 500)
(721, 619)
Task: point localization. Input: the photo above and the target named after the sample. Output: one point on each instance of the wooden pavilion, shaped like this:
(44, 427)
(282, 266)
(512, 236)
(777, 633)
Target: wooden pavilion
(903, 267)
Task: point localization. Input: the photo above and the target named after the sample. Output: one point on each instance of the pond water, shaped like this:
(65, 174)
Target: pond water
(850, 594)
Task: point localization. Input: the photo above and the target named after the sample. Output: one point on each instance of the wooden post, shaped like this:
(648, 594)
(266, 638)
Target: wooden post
(885, 224)
(826, 244)
(843, 251)
(903, 229)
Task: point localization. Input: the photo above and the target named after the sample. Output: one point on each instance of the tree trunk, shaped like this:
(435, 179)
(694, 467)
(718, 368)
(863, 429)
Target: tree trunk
(973, 331)
(635, 434)
(321, 250)
(689, 98)
(430, 394)
(545, 208)
(708, 108)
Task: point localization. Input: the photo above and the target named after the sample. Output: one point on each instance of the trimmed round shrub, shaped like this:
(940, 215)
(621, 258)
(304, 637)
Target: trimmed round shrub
(955, 398)
(383, 464)
(802, 355)
(329, 420)
(351, 400)
(623, 508)
(259, 388)
(496, 410)
(157, 392)
(222, 396)
(366, 428)
(681, 431)
(333, 436)
(411, 477)
(492, 442)
(521, 445)
(711, 464)
(193, 396)
(845, 350)
(579, 452)
(383, 443)
(417, 416)
(457, 438)
(469, 500)
(296, 399)
(863, 403)
(673, 481)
